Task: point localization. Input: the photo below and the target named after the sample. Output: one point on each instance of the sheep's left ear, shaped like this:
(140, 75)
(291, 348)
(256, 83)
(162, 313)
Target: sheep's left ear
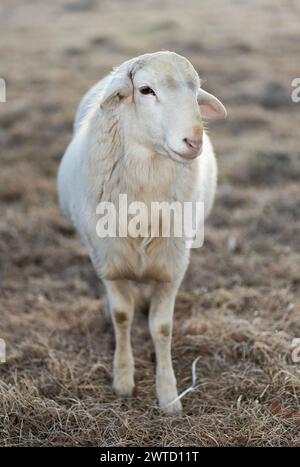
(119, 87)
(210, 106)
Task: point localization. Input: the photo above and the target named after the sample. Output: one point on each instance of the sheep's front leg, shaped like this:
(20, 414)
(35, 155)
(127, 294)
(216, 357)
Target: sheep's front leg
(161, 321)
(121, 305)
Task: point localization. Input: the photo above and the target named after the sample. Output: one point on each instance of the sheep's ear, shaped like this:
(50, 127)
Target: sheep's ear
(118, 88)
(210, 106)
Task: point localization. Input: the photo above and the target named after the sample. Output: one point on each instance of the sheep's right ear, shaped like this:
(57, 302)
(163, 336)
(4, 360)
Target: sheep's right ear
(119, 87)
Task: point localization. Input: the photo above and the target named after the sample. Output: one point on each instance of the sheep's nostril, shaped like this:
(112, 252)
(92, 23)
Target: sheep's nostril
(193, 143)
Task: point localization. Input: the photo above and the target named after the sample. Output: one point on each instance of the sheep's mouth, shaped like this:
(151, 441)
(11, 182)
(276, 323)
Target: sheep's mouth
(184, 156)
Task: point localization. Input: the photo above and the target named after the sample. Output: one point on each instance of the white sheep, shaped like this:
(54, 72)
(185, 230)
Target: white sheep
(139, 132)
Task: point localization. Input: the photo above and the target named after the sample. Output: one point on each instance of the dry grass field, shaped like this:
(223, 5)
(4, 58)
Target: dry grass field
(238, 308)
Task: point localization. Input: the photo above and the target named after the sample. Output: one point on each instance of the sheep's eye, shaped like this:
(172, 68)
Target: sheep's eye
(146, 90)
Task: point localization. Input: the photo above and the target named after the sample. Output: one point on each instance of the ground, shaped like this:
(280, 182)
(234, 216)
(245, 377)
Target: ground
(238, 308)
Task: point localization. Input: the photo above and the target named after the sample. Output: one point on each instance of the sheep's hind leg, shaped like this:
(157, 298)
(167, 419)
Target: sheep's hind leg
(121, 306)
(161, 320)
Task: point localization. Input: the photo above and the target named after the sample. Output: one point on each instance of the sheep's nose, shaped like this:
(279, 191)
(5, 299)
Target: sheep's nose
(193, 144)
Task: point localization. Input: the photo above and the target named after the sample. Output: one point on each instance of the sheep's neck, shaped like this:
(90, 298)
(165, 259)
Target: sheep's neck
(128, 167)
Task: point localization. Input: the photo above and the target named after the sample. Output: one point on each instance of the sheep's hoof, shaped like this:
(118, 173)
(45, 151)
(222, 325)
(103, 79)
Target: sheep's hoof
(172, 409)
(124, 386)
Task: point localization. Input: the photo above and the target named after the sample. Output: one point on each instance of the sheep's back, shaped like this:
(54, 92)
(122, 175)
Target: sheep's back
(88, 101)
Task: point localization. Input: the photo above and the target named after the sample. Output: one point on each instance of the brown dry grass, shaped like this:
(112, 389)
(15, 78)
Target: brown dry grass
(238, 310)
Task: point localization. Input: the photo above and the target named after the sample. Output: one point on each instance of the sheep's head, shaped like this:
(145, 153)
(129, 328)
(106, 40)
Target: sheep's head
(164, 102)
